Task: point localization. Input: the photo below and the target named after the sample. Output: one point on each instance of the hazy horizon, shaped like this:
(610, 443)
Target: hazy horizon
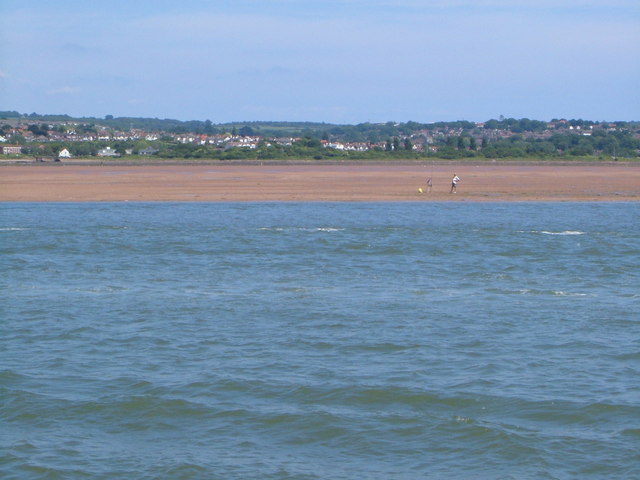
(312, 122)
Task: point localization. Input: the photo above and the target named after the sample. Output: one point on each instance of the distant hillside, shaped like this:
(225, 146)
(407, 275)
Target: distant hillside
(496, 138)
(177, 126)
(371, 132)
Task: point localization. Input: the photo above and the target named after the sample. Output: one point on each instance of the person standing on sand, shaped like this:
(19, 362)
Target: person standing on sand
(429, 184)
(454, 184)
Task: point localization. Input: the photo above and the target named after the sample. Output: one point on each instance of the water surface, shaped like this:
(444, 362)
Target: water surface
(320, 340)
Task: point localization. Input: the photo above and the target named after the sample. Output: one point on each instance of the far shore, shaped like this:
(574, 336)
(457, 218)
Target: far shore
(175, 181)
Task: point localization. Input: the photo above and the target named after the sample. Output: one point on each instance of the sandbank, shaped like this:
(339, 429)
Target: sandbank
(315, 183)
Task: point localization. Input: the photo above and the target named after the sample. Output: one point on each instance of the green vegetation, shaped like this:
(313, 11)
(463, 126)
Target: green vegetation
(521, 139)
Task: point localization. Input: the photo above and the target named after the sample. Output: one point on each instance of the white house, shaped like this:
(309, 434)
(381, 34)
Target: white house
(10, 149)
(108, 152)
(64, 153)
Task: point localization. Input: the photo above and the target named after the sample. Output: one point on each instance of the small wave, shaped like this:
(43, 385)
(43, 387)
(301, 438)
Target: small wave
(7, 376)
(534, 291)
(549, 232)
(12, 229)
(561, 293)
(101, 289)
(565, 232)
(460, 419)
(272, 229)
(301, 229)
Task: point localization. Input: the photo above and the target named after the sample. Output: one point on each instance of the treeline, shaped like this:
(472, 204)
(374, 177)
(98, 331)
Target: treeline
(305, 148)
(363, 132)
(616, 143)
(501, 138)
(599, 143)
(173, 126)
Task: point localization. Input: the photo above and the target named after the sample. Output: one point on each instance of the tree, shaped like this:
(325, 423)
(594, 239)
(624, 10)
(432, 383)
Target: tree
(489, 151)
(583, 147)
(311, 142)
(407, 144)
(38, 129)
(246, 131)
(17, 139)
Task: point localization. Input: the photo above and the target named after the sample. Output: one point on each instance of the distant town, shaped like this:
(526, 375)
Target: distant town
(60, 137)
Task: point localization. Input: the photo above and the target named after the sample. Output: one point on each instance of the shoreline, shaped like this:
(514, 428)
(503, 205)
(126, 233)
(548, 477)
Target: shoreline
(177, 162)
(319, 182)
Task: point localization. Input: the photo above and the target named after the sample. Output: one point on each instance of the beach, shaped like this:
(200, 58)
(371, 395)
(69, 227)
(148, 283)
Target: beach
(317, 183)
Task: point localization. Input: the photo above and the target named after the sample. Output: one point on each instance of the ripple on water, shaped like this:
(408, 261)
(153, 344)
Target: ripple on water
(319, 341)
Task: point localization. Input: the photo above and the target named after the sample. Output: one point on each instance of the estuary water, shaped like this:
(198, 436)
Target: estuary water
(320, 341)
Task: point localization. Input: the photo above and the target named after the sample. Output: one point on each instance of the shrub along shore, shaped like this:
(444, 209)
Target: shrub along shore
(144, 160)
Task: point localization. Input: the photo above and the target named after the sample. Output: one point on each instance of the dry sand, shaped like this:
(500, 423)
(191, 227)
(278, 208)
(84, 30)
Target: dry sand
(237, 183)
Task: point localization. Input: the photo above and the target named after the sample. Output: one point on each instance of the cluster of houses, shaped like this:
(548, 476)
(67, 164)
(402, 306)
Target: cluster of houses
(420, 141)
(64, 153)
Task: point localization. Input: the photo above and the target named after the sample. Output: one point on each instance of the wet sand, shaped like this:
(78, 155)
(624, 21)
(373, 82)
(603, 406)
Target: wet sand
(239, 183)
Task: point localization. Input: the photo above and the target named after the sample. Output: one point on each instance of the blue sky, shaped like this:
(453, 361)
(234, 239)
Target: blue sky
(337, 61)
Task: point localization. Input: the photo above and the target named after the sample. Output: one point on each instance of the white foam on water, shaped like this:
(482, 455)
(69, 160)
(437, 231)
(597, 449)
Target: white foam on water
(548, 232)
(566, 232)
(557, 293)
(302, 229)
(272, 229)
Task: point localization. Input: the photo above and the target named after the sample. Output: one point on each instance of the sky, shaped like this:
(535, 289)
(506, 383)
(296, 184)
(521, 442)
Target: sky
(334, 61)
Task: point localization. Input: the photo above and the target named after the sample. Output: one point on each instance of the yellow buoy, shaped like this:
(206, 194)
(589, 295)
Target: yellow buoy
(420, 189)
